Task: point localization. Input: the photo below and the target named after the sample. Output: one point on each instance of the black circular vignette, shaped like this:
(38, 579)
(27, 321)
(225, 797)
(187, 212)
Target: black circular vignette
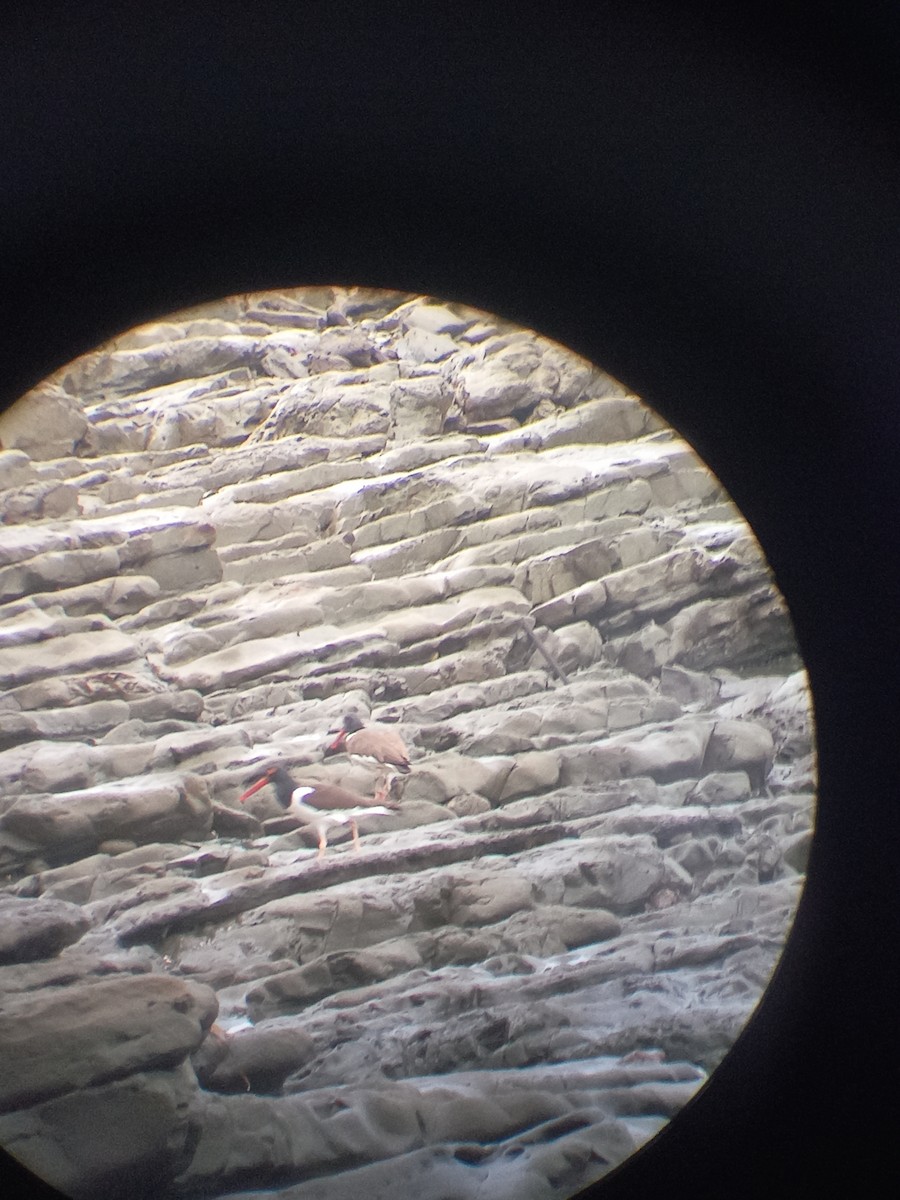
(700, 207)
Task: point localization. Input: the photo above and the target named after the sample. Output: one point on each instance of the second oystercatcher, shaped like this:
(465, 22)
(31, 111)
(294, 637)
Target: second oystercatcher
(318, 804)
(372, 744)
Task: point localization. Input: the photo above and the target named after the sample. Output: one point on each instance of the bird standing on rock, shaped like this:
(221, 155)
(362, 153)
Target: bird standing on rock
(319, 805)
(372, 744)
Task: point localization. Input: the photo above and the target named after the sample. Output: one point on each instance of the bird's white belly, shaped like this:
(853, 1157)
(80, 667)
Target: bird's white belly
(367, 760)
(316, 816)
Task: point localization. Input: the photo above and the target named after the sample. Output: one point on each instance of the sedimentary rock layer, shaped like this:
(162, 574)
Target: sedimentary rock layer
(223, 532)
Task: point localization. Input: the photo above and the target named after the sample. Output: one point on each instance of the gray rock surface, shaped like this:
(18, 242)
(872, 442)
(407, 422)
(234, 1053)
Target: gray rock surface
(34, 929)
(84, 1035)
(252, 519)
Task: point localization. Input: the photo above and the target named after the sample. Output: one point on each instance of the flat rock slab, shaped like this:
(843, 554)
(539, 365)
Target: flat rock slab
(538, 932)
(63, 655)
(252, 1059)
(75, 964)
(98, 1141)
(48, 426)
(338, 1138)
(138, 809)
(537, 1132)
(37, 928)
(55, 1041)
(145, 921)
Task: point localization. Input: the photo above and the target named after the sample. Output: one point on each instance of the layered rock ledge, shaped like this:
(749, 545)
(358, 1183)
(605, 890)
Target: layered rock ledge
(222, 532)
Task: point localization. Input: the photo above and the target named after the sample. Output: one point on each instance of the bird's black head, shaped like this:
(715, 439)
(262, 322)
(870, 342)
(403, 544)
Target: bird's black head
(283, 784)
(277, 775)
(352, 723)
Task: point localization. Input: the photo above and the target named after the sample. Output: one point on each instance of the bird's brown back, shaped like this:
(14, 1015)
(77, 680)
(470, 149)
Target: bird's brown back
(329, 796)
(380, 743)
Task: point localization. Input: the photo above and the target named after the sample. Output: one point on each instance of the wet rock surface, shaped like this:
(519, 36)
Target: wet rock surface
(252, 521)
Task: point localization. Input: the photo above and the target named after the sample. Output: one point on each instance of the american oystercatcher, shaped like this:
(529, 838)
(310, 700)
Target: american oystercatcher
(372, 744)
(320, 804)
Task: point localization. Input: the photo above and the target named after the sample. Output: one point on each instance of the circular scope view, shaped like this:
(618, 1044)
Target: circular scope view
(407, 768)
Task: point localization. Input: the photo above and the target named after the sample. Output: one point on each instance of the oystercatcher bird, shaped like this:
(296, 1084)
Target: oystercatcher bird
(320, 804)
(372, 744)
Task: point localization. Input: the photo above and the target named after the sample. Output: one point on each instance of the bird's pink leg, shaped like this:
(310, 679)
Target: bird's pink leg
(382, 789)
(323, 842)
(354, 829)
